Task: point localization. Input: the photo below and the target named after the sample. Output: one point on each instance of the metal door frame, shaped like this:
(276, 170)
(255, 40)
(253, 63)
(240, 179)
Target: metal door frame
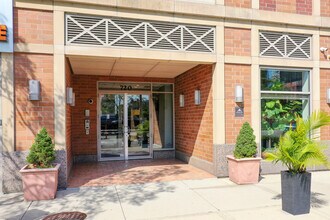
(125, 93)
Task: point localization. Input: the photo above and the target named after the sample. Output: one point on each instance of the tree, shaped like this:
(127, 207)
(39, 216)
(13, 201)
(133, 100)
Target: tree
(246, 145)
(42, 152)
(297, 149)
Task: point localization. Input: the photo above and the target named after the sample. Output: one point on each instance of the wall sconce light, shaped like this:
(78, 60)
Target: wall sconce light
(239, 94)
(34, 90)
(69, 95)
(73, 99)
(324, 50)
(328, 95)
(197, 97)
(181, 100)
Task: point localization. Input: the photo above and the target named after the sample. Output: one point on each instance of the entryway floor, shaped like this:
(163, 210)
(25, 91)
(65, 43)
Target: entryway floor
(133, 172)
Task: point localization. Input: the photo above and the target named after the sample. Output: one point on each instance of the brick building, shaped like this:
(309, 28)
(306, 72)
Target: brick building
(135, 79)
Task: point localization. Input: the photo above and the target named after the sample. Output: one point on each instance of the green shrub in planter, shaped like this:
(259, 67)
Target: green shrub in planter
(42, 152)
(246, 145)
(298, 149)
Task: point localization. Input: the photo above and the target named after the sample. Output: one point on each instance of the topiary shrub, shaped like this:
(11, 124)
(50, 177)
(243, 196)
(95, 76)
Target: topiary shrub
(42, 152)
(246, 145)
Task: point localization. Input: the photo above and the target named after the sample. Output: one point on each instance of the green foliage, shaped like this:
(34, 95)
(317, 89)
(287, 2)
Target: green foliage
(245, 143)
(143, 128)
(42, 152)
(298, 149)
(277, 115)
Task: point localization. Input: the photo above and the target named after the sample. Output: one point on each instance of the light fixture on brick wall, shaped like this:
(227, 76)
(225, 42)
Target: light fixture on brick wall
(69, 95)
(239, 96)
(324, 50)
(197, 97)
(73, 99)
(328, 95)
(181, 100)
(34, 90)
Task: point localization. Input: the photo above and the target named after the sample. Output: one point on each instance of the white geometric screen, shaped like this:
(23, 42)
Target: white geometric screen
(117, 32)
(274, 44)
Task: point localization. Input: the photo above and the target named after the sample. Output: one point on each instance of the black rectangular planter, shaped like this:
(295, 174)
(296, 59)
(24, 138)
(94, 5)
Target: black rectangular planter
(296, 192)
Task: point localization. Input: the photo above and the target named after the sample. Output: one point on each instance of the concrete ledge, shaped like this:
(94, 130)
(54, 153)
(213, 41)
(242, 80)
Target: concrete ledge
(164, 154)
(221, 164)
(85, 158)
(195, 161)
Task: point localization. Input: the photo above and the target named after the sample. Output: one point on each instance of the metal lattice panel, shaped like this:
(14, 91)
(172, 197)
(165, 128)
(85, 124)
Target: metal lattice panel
(115, 32)
(275, 44)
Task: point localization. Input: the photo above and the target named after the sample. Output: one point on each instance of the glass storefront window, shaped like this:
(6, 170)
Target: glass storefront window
(284, 94)
(162, 87)
(161, 113)
(284, 80)
(162, 120)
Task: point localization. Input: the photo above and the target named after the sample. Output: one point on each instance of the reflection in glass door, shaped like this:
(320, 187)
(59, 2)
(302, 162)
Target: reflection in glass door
(124, 126)
(138, 125)
(112, 126)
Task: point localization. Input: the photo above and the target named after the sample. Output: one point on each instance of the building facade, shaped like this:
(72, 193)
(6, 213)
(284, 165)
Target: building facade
(136, 79)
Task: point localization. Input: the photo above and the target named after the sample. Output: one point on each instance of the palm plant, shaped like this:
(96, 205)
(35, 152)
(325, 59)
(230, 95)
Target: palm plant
(298, 149)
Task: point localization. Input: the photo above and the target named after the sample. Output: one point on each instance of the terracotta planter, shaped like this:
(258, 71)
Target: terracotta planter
(39, 184)
(243, 171)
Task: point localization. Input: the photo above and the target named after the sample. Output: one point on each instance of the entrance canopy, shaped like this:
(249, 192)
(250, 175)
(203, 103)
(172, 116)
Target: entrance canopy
(108, 66)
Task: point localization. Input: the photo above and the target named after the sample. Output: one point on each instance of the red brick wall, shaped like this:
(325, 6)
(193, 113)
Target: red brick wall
(236, 75)
(194, 123)
(31, 116)
(237, 41)
(289, 6)
(68, 134)
(324, 42)
(238, 3)
(325, 83)
(268, 5)
(325, 8)
(304, 7)
(33, 26)
(85, 87)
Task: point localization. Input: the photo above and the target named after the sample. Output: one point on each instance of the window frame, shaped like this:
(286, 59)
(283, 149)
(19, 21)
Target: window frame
(282, 93)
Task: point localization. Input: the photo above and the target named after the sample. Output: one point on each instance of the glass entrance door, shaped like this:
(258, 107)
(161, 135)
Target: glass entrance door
(124, 126)
(112, 127)
(138, 125)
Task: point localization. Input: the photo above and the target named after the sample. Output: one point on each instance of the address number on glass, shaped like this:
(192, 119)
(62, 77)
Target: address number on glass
(125, 87)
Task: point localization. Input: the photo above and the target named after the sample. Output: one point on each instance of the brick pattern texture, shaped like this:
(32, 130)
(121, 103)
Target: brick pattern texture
(325, 83)
(33, 26)
(236, 75)
(324, 42)
(68, 112)
(85, 87)
(194, 123)
(268, 5)
(325, 8)
(31, 116)
(289, 6)
(237, 42)
(304, 7)
(238, 3)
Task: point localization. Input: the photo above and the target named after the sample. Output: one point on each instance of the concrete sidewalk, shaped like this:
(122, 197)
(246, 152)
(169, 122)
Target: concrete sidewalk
(188, 199)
